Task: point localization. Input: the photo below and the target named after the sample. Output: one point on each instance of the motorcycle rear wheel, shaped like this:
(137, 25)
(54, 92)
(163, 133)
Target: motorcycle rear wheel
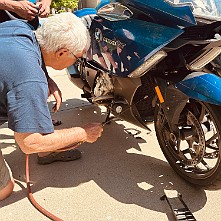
(195, 152)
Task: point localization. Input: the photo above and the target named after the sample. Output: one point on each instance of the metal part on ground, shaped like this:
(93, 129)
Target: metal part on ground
(179, 208)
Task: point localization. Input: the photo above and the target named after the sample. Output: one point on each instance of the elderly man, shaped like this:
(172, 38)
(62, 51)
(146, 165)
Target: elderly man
(24, 88)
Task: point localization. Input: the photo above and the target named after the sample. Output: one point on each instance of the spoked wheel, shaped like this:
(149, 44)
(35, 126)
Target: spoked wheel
(194, 151)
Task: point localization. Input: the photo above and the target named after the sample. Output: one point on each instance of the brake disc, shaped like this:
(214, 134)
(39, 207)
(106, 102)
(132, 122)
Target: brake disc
(197, 144)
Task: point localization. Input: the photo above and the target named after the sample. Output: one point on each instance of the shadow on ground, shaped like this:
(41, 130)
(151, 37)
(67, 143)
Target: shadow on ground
(130, 178)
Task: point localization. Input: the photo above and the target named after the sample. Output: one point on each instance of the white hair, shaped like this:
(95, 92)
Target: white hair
(63, 30)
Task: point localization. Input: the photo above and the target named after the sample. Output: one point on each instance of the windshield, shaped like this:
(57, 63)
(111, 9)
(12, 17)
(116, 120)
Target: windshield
(203, 8)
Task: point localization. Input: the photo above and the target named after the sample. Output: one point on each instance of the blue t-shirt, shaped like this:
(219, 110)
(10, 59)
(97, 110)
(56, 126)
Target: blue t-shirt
(23, 85)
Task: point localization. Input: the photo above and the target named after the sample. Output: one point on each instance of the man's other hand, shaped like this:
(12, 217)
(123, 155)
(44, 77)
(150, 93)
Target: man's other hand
(56, 93)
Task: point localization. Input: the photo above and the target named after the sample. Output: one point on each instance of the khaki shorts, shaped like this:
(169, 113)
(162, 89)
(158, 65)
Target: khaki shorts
(5, 172)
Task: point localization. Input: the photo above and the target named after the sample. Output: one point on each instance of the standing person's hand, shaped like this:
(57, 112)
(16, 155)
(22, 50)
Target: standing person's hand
(44, 9)
(25, 9)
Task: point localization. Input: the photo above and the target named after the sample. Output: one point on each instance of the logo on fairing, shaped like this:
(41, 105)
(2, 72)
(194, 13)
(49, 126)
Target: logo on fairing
(99, 37)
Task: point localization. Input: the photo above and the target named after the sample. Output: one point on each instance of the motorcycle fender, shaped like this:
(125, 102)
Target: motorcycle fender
(202, 86)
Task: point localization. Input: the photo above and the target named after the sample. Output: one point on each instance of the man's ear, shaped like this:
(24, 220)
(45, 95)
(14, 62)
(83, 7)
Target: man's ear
(61, 52)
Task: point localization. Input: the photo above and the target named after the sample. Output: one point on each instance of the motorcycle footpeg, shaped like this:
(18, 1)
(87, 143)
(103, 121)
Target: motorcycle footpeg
(86, 95)
(103, 98)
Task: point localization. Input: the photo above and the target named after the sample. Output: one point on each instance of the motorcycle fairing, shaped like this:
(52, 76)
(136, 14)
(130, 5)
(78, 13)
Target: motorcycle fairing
(162, 11)
(129, 42)
(175, 101)
(202, 86)
(165, 12)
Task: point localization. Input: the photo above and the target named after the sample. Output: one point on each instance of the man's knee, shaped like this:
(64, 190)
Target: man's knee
(6, 180)
(6, 191)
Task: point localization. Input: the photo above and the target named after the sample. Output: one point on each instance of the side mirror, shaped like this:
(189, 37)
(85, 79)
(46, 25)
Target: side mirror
(115, 12)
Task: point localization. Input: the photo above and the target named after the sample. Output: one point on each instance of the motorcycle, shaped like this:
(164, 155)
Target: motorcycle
(152, 61)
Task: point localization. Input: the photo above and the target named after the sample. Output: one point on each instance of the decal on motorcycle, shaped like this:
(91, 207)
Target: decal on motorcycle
(121, 47)
(112, 52)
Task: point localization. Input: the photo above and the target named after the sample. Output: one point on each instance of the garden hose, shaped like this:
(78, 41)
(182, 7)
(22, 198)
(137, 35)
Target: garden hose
(31, 198)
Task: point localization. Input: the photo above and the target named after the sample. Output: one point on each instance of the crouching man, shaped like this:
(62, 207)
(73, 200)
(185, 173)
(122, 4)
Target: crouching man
(24, 88)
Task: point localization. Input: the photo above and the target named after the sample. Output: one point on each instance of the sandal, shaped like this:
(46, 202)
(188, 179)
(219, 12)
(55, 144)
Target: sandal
(56, 122)
(64, 156)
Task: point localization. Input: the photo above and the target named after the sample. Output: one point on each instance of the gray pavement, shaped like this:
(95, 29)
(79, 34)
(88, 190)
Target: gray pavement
(121, 177)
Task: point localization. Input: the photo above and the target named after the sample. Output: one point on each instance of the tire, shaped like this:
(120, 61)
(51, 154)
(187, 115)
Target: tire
(195, 153)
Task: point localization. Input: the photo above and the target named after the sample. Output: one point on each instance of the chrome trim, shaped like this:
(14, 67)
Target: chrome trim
(204, 58)
(148, 64)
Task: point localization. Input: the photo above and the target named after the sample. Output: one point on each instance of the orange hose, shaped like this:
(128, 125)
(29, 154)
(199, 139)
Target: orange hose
(31, 198)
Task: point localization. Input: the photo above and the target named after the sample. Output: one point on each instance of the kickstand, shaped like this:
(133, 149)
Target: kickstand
(180, 209)
(108, 118)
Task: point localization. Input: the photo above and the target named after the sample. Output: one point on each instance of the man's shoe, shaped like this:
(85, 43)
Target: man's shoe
(56, 122)
(64, 156)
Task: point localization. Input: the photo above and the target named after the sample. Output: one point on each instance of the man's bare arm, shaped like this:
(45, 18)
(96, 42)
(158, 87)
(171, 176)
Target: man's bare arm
(36, 142)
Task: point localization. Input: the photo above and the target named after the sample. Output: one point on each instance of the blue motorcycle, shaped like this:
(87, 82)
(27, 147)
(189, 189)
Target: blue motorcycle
(153, 61)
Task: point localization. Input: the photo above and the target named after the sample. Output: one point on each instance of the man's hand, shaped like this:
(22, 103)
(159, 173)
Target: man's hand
(93, 131)
(55, 91)
(25, 9)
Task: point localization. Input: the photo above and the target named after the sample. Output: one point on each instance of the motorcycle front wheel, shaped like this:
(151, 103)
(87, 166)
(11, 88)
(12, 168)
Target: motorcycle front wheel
(194, 150)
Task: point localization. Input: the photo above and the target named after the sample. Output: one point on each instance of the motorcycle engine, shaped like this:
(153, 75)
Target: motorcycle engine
(103, 88)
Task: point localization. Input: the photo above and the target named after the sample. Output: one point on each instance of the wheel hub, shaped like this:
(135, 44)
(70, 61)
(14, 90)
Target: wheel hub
(196, 144)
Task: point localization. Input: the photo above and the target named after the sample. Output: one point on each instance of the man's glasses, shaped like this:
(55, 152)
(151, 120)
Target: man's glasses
(78, 60)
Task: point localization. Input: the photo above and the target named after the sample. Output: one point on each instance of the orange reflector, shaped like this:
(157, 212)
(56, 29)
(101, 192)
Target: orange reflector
(159, 94)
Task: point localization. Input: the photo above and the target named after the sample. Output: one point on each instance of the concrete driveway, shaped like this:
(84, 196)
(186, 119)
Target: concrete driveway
(121, 177)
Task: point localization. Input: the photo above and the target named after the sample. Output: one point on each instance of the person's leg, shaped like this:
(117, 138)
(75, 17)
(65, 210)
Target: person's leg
(6, 179)
(6, 191)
